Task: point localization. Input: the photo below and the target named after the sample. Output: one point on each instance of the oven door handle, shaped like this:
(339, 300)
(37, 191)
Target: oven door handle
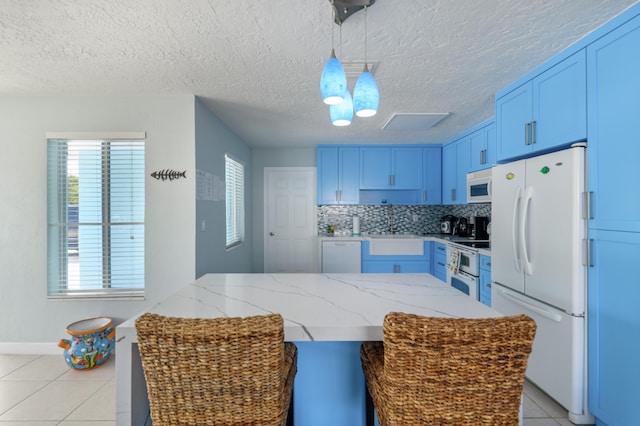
(466, 275)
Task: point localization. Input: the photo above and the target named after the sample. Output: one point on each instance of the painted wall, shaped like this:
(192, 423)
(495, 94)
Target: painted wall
(271, 157)
(213, 141)
(25, 313)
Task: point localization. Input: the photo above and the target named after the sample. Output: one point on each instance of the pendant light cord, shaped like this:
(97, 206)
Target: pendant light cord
(333, 20)
(365, 38)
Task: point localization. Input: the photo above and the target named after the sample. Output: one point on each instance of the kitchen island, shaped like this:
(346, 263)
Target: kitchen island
(326, 315)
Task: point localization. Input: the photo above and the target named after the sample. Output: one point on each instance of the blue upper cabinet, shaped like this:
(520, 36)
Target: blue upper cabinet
(546, 112)
(432, 175)
(614, 112)
(338, 173)
(384, 168)
(482, 146)
(455, 166)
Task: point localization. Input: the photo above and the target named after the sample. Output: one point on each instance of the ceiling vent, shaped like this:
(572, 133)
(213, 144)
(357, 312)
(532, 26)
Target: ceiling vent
(354, 69)
(413, 121)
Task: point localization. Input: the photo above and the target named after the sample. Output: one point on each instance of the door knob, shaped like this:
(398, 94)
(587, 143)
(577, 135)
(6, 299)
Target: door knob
(272, 234)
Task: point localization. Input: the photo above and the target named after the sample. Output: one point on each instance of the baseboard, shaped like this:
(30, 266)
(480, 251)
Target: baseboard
(21, 348)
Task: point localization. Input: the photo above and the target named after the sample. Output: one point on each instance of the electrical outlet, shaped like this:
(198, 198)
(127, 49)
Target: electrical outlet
(415, 218)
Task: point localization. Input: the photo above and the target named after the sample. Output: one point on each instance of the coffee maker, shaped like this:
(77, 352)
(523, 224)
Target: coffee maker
(478, 227)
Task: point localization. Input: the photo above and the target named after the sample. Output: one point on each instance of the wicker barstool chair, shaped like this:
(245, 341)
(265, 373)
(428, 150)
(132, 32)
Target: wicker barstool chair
(448, 371)
(217, 371)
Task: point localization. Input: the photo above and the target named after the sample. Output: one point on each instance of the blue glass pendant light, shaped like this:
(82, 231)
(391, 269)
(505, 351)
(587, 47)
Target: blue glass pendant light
(333, 82)
(342, 113)
(366, 96)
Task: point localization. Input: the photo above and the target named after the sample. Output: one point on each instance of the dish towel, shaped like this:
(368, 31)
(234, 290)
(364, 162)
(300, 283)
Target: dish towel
(454, 261)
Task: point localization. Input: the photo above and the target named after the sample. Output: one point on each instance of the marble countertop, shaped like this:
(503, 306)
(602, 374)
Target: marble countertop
(439, 238)
(318, 307)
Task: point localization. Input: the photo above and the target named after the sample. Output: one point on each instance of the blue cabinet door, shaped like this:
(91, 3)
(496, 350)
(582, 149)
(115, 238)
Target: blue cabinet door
(449, 181)
(439, 265)
(406, 168)
(455, 164)
(482, 148)
(492, 140)
(375, 168)
(338, 175)
(546, 112)
(485, 280)
(391, 168)
(613, 76)
(378, 267)
(432, 175)
(327, 175)
(513, 118)
(560, 104)
(463, 164)
(614, 327)
(478, 150)
(349, 175)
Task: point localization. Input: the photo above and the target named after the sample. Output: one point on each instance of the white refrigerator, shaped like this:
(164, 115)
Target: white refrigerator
(537, 247)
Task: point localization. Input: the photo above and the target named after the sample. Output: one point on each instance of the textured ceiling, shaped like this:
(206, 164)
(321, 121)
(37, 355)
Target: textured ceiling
(257, 64)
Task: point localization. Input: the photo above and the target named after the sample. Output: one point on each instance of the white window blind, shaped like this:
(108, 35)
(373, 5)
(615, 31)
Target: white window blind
(234, 198)
(95, 217)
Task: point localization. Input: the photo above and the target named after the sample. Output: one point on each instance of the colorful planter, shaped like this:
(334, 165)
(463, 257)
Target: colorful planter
(91, 343)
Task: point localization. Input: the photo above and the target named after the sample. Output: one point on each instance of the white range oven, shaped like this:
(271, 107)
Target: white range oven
(463, 267)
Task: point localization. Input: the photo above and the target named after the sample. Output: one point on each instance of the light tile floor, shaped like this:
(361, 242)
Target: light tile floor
(40, 390)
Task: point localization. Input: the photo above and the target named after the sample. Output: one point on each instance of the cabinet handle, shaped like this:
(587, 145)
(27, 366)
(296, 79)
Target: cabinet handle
(588, 258)
(588, 200)
(533, 132)
(526, 133)
(489, 285)
(453, 194)
(483, 156)
(337, 195)
(424, 195)
(388, 180)
(393, 180)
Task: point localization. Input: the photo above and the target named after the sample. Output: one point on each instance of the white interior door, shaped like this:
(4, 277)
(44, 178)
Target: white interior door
(290, 243)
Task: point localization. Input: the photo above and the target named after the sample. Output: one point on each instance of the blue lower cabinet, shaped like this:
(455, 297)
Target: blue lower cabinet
(395, 264)
(439, 269)
(485, 280)
(329, 387)
(614, 328)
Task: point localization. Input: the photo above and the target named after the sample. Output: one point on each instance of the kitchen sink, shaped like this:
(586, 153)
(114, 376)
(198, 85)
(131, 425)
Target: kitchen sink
(394, 245)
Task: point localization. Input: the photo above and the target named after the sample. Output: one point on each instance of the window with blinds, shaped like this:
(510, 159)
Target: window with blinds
(95, 217)
(234, 198)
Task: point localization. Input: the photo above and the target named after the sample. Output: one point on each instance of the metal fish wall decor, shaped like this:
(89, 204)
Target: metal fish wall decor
(168, 174)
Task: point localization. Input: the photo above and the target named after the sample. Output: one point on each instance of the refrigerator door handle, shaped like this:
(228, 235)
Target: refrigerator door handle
(514, 230)
(524, 304)
(528, 266)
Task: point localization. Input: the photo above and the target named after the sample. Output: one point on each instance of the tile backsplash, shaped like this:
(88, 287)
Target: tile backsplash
(406, 219)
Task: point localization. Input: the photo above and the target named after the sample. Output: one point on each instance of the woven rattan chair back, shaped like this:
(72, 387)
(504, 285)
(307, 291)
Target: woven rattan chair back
(445, 371)
(222, 371)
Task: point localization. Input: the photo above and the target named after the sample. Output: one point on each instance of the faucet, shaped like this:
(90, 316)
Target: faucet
(393, 229)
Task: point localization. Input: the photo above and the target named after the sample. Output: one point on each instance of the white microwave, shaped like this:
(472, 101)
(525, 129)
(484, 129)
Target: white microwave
(479, 186)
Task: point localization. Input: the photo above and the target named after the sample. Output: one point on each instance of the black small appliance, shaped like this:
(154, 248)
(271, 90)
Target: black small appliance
(447, 224)
(478, 225)
(462, 227)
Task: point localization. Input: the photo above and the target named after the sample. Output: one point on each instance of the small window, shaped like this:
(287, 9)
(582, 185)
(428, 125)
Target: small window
(95, 217)
(234, 198)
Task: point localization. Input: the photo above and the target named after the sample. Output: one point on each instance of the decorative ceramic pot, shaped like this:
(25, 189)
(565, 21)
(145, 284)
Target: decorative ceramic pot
(91, 343)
